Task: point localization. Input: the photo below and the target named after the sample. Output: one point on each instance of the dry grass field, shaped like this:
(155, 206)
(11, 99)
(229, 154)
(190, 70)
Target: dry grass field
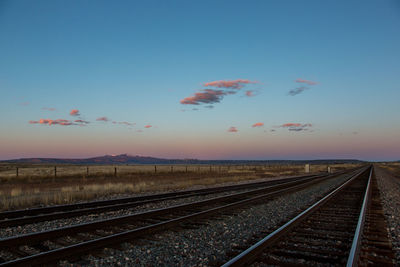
(393, 167)
(37, 185)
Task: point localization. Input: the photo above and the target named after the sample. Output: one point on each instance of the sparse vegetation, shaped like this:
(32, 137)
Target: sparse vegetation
(36, 185)
(393, 167)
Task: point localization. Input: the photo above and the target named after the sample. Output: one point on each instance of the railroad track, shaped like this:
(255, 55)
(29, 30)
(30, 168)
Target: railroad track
(29, 216)
(346, 227)
(75, 241)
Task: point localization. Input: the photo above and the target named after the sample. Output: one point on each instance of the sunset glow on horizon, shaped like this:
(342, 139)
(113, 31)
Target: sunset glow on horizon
(285, 81)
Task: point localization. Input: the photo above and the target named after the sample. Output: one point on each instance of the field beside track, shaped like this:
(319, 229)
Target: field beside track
(29, 185)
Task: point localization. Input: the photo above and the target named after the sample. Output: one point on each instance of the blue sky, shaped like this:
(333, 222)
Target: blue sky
(134, 61)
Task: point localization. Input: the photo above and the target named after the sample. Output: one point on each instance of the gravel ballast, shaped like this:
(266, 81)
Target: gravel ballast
(54, 224)
(389, 187)
(211, 244)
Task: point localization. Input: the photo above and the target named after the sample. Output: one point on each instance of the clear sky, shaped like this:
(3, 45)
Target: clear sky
(200, 79)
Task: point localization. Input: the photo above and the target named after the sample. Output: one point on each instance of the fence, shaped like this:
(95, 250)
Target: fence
(117, 170)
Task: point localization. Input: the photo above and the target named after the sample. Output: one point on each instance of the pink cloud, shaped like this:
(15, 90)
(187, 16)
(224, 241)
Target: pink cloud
(212, 96)
(207, 96)
(49, 109)
(102, 119)
(306, 81)
(258, 124)
(53, 122)
(234, 84)
(148, 126)
(74, 112)
(291, 125)
(232, 130)
(250, 93)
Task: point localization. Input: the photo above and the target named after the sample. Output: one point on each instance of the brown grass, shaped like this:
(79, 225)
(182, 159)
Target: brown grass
(37, 186)
(393, 167)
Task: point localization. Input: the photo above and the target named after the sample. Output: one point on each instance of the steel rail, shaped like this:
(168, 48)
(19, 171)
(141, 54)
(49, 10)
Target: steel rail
(252, 252)
(83, 247)
(40, 236)
(139, 200)
(355, 247)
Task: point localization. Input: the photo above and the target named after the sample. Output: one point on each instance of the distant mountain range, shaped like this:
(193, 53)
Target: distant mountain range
(128, 159)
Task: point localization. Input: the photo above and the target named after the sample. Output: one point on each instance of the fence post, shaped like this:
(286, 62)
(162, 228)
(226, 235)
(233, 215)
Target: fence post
(115, 171)
(17, 171)
(307, 168)
(55, 171)
(186, 168)
(155, 168)
(87, 170)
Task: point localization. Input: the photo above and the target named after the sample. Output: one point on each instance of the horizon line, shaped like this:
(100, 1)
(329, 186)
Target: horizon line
(167, 158)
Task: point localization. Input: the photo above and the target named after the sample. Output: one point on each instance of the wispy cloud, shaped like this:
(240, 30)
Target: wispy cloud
(74, 112)
(206, 96)
(213, 96)
(127, 123)
(306, 81)
(148, 126)
(53, 122)
(296, 127)
(124, 123)
(82, 121)
(232, 130)
(297, 90)
(301, 89)
(291, 125)
(49, 109)
(234, 84)
(24, 103)
(102, 119)
(258, 124)
(250, 93)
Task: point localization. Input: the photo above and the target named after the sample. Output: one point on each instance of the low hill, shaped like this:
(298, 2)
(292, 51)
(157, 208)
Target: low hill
(128, 159)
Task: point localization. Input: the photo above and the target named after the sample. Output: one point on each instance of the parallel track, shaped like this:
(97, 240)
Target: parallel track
(375, 247)
(74, 241)
(346, 227)
(28, 216)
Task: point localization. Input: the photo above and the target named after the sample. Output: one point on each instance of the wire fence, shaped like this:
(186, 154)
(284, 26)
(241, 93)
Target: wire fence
(119, 170)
